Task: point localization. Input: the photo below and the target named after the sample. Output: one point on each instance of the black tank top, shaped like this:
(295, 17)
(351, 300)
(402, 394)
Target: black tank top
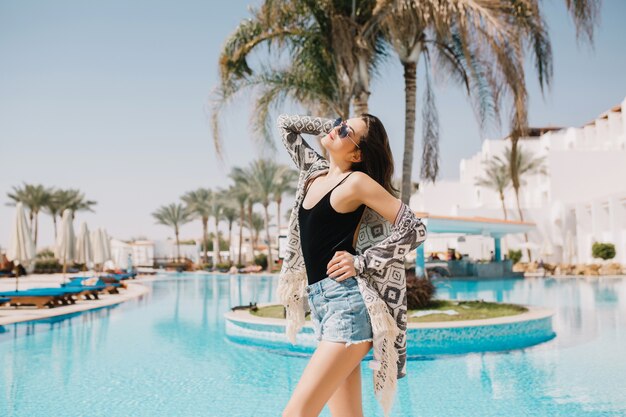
(323, 231)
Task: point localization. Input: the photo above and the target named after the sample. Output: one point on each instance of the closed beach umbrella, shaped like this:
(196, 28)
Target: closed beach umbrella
(83, 246)
(97, 247)
(66, 240)
(22, 249)
(106, 244)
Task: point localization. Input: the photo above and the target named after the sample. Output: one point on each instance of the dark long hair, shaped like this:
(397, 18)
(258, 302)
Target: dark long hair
(376, 157)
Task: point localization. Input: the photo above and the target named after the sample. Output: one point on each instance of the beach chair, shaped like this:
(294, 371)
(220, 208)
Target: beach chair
(89, 292)
(4, 300)
(121, 276)
(113, 281)
(41, 297)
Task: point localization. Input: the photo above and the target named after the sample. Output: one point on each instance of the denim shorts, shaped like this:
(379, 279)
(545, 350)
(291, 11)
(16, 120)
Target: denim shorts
(338, 312)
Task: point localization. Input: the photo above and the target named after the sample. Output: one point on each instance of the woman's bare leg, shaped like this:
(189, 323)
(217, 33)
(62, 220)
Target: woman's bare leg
(328, 368)
(347, 400)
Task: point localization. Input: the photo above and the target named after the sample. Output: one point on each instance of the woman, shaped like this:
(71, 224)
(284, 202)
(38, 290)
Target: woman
(357, 300)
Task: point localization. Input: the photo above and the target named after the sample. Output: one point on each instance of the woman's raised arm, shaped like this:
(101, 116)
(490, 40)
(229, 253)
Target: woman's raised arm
(291, 126)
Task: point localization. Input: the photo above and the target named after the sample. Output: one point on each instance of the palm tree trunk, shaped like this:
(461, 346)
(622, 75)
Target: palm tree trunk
(241, 217)
(278, 215)
(503, 205)
(36, 229)
(205, 238)
(252, 238)
(516, 186)
(216, 244)
(30, 223)
(360, 103)
(230, 234)
(269, 242)
(177, 246)
(54, 221)
(521, 217)
(410, 92)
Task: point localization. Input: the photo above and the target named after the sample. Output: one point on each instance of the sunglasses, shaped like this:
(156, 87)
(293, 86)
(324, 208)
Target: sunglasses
(344, 131)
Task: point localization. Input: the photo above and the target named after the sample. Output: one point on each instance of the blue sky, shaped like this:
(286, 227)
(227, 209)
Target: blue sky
(111, 98)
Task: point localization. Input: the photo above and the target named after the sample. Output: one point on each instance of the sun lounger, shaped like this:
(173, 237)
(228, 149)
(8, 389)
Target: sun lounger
(114, 281)
(4, 300)
(41, 297)
(110, 285)
(121, 276)
(89, 292)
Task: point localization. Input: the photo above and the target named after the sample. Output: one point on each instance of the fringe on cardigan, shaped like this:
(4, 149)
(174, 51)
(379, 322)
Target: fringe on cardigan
(290, 290)
(385, 332)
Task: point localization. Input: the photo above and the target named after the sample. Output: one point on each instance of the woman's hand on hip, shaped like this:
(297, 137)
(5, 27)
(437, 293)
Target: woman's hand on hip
(341, 266)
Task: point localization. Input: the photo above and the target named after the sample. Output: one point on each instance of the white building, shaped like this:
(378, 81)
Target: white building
(582, 199)
(141, 253)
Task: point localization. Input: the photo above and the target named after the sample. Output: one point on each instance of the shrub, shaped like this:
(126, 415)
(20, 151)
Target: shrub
(223, 265)
(45, 254)
(48, 266)
(178, 266)
(419, 291)
(515, 255)
(603, 250)
(261, 260)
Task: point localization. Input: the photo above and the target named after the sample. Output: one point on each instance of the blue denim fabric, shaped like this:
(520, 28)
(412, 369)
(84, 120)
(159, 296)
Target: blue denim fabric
(338, 311)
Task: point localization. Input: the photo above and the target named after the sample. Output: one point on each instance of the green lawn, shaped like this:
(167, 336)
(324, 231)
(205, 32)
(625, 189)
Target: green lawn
(468, 310)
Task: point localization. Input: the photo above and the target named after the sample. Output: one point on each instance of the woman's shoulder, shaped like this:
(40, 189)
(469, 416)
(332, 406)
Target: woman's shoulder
(361, 180)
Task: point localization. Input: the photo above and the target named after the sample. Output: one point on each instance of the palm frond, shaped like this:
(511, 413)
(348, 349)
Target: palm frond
(430, 132)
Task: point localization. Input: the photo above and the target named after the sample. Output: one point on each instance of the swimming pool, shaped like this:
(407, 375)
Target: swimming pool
(166, 354)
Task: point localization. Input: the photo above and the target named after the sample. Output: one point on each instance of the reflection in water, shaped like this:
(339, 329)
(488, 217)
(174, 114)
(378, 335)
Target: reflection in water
(168, 355)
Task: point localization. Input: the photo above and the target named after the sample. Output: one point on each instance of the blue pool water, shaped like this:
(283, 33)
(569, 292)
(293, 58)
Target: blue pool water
(167, 355)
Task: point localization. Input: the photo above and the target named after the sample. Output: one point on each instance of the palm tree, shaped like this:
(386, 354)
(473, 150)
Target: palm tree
(433, 30)
(526, 164)
(245, 178)
(75, 200)
(199, 204)
(497, 177)
(35, 198)
(174, 215)
(481, 44)
(265, 174)
(239, 193)
(255, 223)
(334, 48)
(218, 203)
(285, 183)
(60, 199)
(229, 213)
(54, 206)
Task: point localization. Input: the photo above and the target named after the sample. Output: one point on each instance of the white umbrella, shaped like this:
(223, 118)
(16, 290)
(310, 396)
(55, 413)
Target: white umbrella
(106, 243)
(22, 249)
(66, 241)
(97, 247)
(84, 254)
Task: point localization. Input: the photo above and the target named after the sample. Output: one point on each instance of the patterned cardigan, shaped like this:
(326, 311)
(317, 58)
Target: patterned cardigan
(381, 248)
